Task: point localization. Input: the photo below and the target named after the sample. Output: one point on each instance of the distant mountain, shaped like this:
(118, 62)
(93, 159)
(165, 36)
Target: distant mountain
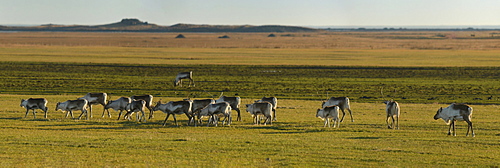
(135, 25)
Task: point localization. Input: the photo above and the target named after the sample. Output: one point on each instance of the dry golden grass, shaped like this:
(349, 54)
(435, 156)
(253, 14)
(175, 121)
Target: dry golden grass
(251, 56)
(324, 48)
(325, 40)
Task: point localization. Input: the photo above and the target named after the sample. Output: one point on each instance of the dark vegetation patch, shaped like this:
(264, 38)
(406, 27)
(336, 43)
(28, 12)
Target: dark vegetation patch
(361, 84)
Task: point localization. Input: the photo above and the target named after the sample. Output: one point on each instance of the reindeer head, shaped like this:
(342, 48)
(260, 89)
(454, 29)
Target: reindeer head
(23, 102)
(157, 105)
(320, 113)
(176, 82)
(438, 114)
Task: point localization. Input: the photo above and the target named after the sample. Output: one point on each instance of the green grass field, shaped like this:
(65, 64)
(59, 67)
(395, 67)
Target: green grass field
(296, 139)
(419, 70)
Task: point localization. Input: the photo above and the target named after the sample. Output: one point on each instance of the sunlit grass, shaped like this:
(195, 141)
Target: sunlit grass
(368, 67)
(296, 139)
(253, 56)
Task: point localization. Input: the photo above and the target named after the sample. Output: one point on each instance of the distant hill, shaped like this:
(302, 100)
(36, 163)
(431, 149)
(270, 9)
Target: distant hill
(135, 25)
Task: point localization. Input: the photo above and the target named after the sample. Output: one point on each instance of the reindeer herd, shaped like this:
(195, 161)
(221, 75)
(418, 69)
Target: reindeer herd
(214, 110)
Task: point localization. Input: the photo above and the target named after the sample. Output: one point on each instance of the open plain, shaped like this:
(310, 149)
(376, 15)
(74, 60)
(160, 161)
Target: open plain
(421, 70)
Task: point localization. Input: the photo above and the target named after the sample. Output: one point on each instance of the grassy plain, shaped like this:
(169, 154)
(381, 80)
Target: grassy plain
(421, 70)
(253, 56)
(297, 139)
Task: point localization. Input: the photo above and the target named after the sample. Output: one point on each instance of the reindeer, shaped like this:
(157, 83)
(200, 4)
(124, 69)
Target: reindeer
(392, 110)
(342, 102)
(329, 113)
(233, 101)
(184, 75)
(454, 112)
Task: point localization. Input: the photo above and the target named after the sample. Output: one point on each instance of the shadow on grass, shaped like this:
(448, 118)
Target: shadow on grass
(98, 125)
(364, 138)
(11, 118)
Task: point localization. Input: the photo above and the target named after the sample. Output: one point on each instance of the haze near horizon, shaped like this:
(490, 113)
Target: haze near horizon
(311, 13)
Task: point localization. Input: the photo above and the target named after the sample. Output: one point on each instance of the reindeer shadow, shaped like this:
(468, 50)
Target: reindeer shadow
(11, 118)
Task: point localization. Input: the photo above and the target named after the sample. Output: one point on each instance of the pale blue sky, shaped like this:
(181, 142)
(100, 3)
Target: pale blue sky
(255, 12)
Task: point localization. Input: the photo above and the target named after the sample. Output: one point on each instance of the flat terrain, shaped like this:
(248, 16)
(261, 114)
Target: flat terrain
(421, 70)
(297, 139)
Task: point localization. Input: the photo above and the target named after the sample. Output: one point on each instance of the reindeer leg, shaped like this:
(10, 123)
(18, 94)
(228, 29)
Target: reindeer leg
(350, 113)
(472, 130)
(80, 117)
(336, 121)
(175, 120)
(449, 129)
(87, 115)
(143, 117)
(191, 82)
(46, 110)
(397, 122)
(90, 108)
(189, 118)
(387, 121)
(393, 124)
(137, 119)
(103, 111)
(209, 120)
(27, 112)
(343, 115)
(239, 114)
(150, 113)
(166, 118)
(274, 115)
(469, 126)
(119, 114)
(454, 130)
(34, 113)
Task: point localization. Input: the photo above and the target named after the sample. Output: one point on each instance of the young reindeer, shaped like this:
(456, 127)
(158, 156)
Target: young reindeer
(454, 112)
(342, 102)
(392, 110)
(329, 113)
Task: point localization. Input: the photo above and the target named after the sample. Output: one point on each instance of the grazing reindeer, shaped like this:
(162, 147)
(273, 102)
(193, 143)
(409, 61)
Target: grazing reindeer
(273, 101)
(454, 112)
(329, 113)
(136, 106)
(184, 75)
(264, 108)
(393, 111)
(149, 101)
(197, 105)
(342, 102)
(233, 101)
(214, 110)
